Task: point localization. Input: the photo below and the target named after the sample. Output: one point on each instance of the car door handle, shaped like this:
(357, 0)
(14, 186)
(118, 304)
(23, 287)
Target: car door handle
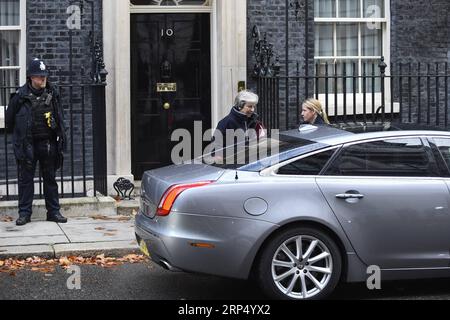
(350, 196)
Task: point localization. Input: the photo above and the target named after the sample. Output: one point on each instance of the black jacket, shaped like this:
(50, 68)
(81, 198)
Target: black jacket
(319, 121)
(237, 120)
(19, 120)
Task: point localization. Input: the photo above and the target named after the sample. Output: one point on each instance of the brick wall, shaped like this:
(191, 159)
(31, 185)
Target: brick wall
(48, 38)
(270, 17)
(420, 33)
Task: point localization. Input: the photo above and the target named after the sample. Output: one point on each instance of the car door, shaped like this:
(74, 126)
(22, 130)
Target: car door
(441, 150)
(391, 202)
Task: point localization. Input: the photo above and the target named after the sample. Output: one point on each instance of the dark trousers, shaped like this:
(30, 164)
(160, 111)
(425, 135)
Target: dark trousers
(45, 153)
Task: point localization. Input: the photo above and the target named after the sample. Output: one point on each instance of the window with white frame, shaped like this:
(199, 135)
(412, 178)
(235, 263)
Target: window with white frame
(12, 49)
(351, 36)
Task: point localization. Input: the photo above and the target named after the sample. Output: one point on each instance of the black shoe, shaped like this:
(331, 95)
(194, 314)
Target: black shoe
(23, 221)
(58, 218)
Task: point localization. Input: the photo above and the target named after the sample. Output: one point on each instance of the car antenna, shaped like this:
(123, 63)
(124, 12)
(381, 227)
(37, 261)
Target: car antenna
(236, 177)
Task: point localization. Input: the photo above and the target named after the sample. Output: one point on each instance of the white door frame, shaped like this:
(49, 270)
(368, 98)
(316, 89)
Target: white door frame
(228, 67)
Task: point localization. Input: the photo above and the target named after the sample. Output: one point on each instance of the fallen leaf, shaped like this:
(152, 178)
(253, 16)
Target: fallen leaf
(45, 270)
(109, 234)
(20, 262)
(6, 219)
(100, 217)
(37, 264)
(64, 262)
(80, 260)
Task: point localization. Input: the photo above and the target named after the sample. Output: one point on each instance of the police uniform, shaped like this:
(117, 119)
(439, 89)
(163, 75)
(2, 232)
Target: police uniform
(36, 118)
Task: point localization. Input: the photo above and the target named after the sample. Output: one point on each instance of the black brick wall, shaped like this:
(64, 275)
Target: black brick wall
(270, 17)
(420, 33)
(48, 38)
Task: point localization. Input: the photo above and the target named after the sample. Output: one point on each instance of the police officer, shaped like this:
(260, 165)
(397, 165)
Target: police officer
(36, 118)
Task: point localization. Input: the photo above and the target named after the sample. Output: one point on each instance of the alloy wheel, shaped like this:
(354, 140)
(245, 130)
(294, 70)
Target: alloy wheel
(302, 267)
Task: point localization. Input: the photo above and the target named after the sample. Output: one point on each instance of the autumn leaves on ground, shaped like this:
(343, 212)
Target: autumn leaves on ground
(11, 266)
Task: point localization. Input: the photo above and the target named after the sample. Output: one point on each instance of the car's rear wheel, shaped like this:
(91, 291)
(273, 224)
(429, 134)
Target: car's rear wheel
(301, 264)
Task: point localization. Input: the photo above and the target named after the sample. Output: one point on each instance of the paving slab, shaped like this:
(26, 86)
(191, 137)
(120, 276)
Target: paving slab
(34, 240)
(103, 219)
(98, 232)
(109, 235)
(41, 228)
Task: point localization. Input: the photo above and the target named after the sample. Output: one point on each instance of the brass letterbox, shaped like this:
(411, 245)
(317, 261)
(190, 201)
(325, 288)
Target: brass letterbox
(166, 87)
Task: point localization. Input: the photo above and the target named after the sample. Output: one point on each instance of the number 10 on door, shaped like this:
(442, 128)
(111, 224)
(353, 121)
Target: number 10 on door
(166, 32)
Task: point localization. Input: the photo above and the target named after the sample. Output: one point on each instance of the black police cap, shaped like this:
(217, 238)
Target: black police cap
(37, 68)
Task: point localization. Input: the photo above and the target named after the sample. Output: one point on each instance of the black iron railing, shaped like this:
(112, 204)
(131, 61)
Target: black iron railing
(83, 100)
(360, 93)
(84, 169)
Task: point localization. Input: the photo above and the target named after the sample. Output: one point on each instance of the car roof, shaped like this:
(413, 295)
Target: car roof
(333, 136)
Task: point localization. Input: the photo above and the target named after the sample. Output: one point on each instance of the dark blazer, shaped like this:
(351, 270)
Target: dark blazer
(319, 121)
(236, 120)
(18, 119)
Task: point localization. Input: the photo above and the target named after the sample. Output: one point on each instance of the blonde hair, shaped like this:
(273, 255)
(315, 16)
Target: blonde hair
(315, 106)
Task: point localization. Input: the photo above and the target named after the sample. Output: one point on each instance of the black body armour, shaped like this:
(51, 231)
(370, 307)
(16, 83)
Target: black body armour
(40, 107)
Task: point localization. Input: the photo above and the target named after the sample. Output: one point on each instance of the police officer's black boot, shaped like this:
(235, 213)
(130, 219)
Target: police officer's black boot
(23, 220)
(57, 217)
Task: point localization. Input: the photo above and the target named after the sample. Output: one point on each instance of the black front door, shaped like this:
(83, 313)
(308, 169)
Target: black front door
(170, 83)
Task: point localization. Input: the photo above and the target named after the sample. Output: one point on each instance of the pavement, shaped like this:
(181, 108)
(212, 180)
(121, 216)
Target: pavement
(81, 236)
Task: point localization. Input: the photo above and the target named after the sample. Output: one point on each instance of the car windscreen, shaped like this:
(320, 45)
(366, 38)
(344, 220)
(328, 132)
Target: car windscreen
(256, 155)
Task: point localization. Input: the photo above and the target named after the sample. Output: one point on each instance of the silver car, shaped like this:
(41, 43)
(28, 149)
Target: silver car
(329, 205)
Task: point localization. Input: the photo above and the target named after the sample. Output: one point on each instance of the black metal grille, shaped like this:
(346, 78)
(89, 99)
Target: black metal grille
(414, 94)
(83, 100)
(84, 169)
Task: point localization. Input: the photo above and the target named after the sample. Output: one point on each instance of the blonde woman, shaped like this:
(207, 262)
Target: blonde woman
(312, 112)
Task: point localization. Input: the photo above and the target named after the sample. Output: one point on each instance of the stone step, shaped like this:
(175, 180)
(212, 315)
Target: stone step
(137, 188)
(70, 208)
(128, 207)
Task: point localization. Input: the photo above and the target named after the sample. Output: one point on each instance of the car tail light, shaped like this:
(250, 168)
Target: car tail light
(169, 197)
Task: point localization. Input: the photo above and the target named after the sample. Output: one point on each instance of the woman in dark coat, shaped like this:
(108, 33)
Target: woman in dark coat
(242, 116)
(312, 113)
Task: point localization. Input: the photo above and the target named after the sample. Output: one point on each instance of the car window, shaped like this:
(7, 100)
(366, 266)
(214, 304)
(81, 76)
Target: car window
(443, 145)
(393, 157)
(255, 151)
(311, 165)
